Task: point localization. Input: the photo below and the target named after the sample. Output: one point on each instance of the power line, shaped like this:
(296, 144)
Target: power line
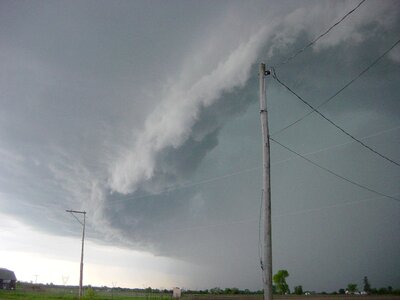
(316, 209)
(334, 124)
(220, 224)
(338, 145)
(340, 90)
(254, 220)
(216, 178)
(335, 174)
(187, 185)
(319, 37)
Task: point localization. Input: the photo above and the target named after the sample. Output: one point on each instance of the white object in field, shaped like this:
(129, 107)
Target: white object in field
(176, 292)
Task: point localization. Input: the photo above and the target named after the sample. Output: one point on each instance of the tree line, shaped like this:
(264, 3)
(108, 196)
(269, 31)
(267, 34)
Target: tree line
(281, 287)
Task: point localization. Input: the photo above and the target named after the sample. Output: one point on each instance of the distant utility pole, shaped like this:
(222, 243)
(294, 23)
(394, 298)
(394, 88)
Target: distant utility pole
(114, 284)
(65, 279)
(267, 264)
(73, 212)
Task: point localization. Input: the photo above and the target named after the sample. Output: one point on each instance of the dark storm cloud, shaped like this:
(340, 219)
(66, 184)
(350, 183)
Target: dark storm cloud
(129, 110)
(320, 76)
(177, 164)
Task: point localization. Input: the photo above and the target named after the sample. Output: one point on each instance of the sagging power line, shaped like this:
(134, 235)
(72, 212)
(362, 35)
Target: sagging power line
(319, 37)
(236, 173)
(334, 173)
(373, 63)
(333, 123)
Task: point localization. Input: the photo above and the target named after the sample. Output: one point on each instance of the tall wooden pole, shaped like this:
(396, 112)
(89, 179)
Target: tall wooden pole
(267, 257)
(83, 243)
(81, 269)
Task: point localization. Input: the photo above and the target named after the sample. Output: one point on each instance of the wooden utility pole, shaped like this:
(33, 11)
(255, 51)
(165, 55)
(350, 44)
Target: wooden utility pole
(83, 242)
(267, 257)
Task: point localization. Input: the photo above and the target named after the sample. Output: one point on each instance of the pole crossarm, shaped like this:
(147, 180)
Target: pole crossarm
(76, 211)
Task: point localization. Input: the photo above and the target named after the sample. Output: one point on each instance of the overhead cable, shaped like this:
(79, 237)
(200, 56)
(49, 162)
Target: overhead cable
(340, 90)
(186, 185)
(318, 37)
(316, 209)
(334, 173)
(216, 178)
(334, 124)
(254, 220)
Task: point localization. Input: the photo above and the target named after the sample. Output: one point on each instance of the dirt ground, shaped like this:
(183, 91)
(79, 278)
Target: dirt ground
(295, 297)
(340, 297)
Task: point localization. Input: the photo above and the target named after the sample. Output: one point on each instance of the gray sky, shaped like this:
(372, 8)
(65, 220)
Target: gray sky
(145, 114)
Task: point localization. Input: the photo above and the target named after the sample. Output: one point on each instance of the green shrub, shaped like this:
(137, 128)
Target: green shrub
(90, 293)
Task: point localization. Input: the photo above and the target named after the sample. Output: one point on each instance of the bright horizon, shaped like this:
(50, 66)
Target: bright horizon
(139, 271)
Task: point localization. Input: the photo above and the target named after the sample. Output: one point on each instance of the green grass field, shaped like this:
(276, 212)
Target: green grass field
(57, 295)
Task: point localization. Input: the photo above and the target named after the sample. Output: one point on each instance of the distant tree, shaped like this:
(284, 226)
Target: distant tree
(367, 286)
(298, 290)
(231, 291)
(382, 291)
(352, 287)
(216, 290)
(374, 291)
(280, 281)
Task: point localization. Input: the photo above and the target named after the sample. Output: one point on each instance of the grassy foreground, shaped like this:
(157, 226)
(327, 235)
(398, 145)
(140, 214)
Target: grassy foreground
(72, 295)
(49, 295)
